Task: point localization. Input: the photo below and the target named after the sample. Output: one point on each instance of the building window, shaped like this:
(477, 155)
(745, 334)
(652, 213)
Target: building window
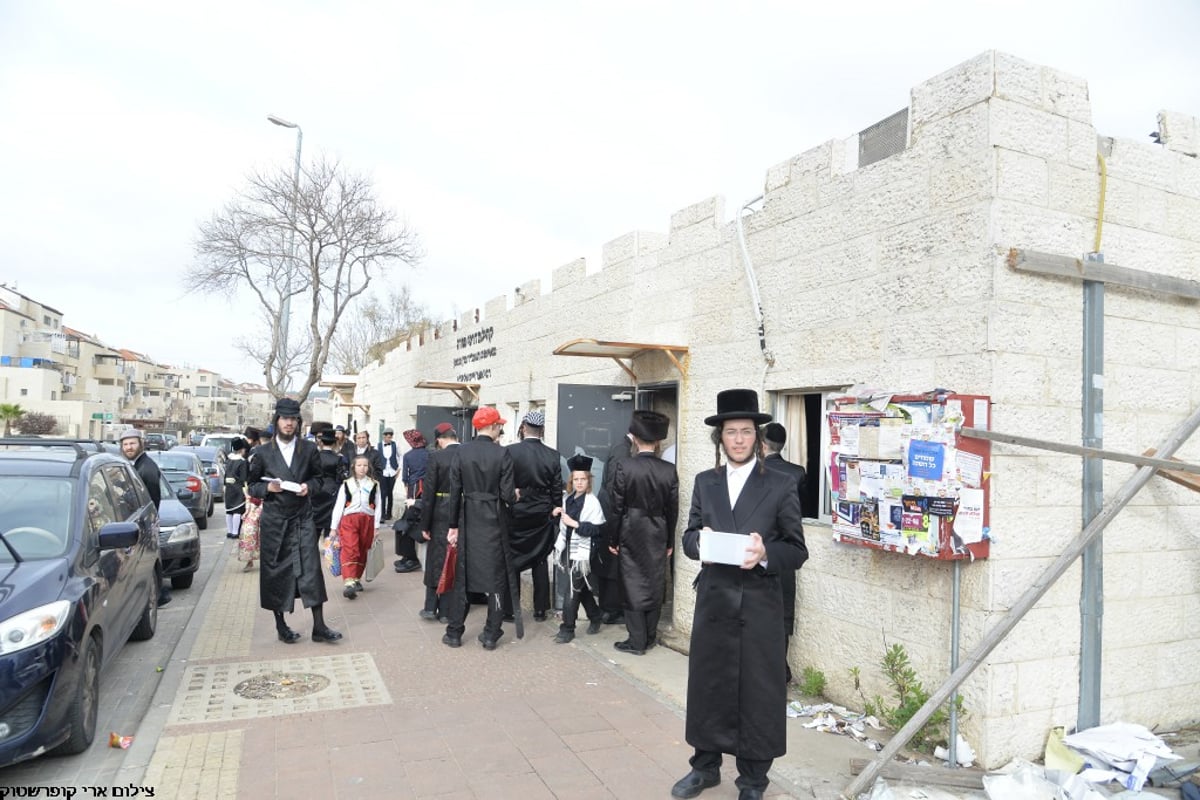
(802, 414)
(54, 395)
(24, 393)
(46, 319)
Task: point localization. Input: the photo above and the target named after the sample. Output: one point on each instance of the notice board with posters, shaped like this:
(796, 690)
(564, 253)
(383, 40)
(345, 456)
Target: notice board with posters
(904, 479)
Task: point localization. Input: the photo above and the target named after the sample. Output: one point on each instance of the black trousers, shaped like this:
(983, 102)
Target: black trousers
(541, 590)
(610, 595)
(642, 627)
(434, 603)
(580, 593)
(387, 486)
(751, 774)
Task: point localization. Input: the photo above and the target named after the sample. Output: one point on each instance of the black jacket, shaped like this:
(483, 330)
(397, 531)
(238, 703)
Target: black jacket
(787, 577)
(737, 689)
(537, 475)
(148, 471)
(481, 492)
(435, 510)
(645, 504)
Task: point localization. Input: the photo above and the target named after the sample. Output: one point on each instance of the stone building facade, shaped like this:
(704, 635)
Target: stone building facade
(891, 270)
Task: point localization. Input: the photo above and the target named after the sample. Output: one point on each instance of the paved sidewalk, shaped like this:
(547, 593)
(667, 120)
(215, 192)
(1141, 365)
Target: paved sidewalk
(391, 712)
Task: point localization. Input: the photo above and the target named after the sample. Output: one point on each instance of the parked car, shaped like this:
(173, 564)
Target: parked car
(196, 438)
(221, 440)
(213, 461)
(79, 575)
(185, 473)
(155, 441)
(172, 441)
(178, 539)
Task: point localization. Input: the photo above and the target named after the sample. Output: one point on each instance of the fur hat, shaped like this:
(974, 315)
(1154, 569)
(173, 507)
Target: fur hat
(649, 426)
(737, 404)
(579, 463)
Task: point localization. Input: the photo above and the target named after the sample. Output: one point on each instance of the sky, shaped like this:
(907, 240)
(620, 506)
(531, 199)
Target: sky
(512, 137)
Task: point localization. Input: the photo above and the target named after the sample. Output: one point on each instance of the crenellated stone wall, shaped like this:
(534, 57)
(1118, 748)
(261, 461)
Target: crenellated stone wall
(895, 275)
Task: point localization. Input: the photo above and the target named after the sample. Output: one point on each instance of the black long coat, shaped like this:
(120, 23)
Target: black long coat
(737, 690)
(236, 470)
(537, 472)
(604, 563)
(289, 553)
(481, 492)
(333, 472)
(435, 514)
(787, 577)
(645, 501)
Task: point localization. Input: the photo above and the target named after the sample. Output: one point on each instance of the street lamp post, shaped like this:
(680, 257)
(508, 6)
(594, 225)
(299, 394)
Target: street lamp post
(286, 311)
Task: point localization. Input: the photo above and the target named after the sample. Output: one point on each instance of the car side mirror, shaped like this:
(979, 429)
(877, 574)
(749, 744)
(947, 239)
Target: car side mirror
(117, 535)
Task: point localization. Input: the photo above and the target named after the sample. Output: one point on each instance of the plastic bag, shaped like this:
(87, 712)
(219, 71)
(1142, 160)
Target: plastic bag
(332, 554)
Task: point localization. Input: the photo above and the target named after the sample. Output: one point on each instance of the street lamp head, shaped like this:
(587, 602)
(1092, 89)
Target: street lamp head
(283, 123)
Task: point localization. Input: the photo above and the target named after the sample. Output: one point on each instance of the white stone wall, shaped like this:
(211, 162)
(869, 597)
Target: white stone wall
(896, 275)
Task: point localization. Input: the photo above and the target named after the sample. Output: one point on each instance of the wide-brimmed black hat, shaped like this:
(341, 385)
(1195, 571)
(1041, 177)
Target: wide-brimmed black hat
(649, 426)
(579, 463)
(737, 404)
(287, 407)
(327, 436)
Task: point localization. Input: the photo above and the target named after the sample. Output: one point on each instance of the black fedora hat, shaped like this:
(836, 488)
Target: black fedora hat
(737, 404)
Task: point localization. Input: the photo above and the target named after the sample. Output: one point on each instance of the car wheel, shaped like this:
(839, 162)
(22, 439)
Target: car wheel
(84, 707)
(182, 581)
(210, 508)
(202, 522)
(149, 621)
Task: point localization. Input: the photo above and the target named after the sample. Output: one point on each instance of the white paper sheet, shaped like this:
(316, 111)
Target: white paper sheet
(719, 547)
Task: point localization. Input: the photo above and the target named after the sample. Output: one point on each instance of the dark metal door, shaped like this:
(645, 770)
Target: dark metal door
(591, 419)
(429, 417)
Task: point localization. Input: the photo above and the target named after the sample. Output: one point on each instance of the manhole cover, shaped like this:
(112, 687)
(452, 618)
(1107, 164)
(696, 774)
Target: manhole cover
(281, 685)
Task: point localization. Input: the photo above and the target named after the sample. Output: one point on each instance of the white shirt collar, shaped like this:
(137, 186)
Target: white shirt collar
(736, 478)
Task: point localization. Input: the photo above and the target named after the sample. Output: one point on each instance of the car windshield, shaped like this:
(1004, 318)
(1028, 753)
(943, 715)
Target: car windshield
(35, 516)
(175, 462)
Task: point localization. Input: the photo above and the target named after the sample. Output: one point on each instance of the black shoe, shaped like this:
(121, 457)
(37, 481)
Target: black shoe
(594, 627)
(627, 647)
(444, 619)
(694, 783)
(613, 619)
(539, 616)
(287, 635)
(452, 641)
(232, 536)
(426, 614)
(407, 565)
(651, 642)
(564, 637)
(509, 618)
(750, 794)
(325, 635)
(489, 642)
(349, 592)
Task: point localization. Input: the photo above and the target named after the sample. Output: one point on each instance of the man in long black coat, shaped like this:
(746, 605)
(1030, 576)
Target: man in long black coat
(290, 556)
(774, 439)
(435, 519)
(333, 472)
(537, 473)
(737, 692)
(606, 566)
(481, 493)
(645, 504)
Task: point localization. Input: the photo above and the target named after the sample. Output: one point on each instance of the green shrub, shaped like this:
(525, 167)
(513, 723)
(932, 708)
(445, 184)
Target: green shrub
(812, 682)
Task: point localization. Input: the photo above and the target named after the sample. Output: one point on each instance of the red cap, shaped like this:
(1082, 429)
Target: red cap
(487, 416)
(442, 427)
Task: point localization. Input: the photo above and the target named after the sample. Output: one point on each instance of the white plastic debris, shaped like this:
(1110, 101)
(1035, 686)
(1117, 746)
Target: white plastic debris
(963, 753)
(1123, 752)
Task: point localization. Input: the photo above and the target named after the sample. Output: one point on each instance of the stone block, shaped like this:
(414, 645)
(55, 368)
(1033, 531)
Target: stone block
(959, 181)
(1018, 127)
(568, 274)
(963, 134)
(710, 211)
(1081, 144)
(1048, 682)
(964, 85)
(1147, 164)
(1179, 132)
(1066, 95)
(1018, 80)
(1183, 217)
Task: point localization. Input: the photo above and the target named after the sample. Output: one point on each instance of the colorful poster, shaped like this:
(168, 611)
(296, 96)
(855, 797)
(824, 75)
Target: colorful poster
(968, 522)
(941, 506)
(926, 459)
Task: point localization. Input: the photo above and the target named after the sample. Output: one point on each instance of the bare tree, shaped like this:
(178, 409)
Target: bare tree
(374, 327)
(316, 246)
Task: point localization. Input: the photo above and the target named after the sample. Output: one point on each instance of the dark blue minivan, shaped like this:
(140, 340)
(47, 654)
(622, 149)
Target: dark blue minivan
(79, 575)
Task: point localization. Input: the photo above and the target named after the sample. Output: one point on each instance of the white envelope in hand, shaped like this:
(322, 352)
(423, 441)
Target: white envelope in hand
(718, 547)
